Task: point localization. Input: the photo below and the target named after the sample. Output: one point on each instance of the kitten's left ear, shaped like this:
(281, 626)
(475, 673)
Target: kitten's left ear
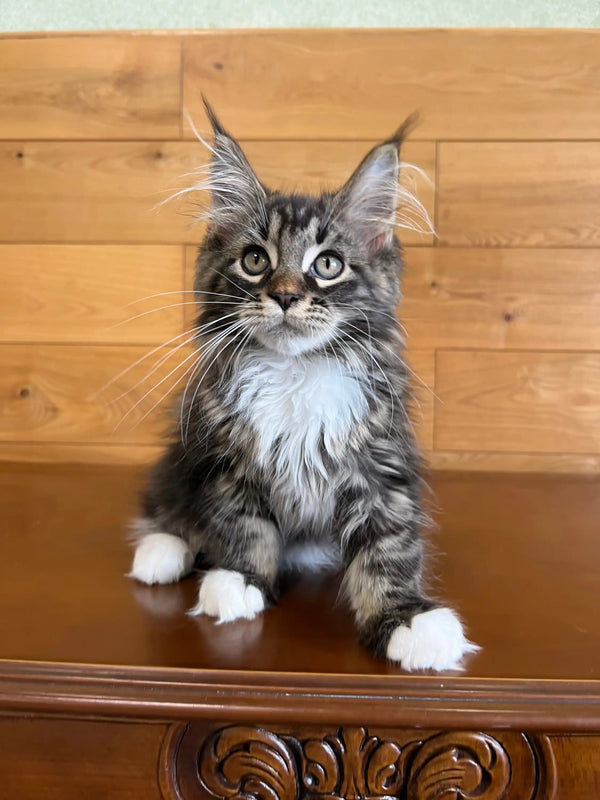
(368, 200)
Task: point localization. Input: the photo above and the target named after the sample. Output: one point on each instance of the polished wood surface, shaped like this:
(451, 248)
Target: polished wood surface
(518, 557)
(108, 690)
(101, 131)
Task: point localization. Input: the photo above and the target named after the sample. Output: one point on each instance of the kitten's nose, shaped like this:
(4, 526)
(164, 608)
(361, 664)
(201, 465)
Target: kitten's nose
(286, 299)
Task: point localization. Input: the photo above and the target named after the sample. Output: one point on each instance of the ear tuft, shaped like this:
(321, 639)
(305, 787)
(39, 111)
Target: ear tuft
(368, 201)
(238, 197)
(212, 118)
(406, 128)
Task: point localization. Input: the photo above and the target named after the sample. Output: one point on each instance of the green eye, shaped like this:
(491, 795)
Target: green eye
(255, 261)
(327, 266)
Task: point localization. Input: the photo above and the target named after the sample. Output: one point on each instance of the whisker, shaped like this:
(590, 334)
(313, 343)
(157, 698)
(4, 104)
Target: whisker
(156, 367)
(180, 291)
(190, 334)
(153, 388)
(235, 327)
(199, 303)
(227, 278)
(168, 392)
(138, 361)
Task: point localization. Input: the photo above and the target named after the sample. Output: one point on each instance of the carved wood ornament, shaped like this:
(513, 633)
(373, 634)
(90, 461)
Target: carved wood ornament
(241, 762)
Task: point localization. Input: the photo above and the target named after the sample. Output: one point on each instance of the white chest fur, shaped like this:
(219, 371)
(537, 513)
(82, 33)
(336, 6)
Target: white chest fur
(300, 409)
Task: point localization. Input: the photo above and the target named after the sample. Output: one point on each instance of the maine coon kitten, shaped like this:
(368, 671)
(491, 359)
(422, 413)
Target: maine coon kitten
(294, 427)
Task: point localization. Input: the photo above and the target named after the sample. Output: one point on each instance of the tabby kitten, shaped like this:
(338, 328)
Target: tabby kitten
(293, 428)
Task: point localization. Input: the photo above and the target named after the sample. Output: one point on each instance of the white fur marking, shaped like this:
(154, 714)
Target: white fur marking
(161, 558)
(311, 557)
(435, 640)
(299, 403)
(225, 595)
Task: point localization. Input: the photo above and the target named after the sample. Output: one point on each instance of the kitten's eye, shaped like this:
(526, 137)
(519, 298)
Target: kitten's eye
(327, 266)
(255, 261)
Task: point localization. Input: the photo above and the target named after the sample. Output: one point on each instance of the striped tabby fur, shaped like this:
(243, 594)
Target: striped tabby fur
(293, 427)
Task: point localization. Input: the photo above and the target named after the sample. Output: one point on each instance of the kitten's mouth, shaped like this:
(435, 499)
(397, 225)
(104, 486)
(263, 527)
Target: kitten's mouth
(290, 335)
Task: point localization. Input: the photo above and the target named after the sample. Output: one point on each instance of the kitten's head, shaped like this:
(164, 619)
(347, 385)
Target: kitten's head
(296, 272)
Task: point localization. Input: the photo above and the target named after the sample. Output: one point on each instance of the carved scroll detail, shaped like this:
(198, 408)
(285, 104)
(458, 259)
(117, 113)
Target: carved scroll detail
(349, 764)
(242, 762)
(459, 765)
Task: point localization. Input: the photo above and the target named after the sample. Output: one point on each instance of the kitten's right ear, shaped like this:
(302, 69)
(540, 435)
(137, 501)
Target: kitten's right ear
(238, 197)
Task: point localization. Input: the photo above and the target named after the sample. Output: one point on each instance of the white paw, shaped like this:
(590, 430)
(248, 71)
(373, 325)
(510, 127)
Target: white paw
(161, 558)
(435, 640)
(225, 595)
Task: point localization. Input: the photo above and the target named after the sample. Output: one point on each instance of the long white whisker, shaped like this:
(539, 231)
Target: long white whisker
(227, 278)
(192, 334)
(380, 368)
(168, 392)
(145, 395)
(153, 388)
(198, 303)
(237, 327)
(237, 349)
(204, 352)
(180, 291)
(139, 361)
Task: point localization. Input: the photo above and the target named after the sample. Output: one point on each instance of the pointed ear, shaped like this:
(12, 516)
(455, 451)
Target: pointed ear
(368, 201)
(238, 197)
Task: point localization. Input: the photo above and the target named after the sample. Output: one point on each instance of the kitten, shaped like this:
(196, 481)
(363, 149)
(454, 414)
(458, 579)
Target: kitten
(294, 427)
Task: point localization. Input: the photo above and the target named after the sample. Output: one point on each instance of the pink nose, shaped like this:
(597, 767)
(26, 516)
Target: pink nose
(285, 299)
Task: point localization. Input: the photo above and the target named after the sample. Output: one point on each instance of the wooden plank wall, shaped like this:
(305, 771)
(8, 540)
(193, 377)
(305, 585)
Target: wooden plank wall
(501, 307)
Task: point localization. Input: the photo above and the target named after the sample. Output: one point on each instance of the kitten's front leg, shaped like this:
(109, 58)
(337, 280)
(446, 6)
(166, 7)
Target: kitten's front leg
(395, 618)
(243, 583)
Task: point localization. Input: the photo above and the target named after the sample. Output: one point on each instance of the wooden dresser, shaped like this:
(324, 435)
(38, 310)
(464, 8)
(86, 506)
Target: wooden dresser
(108, 690)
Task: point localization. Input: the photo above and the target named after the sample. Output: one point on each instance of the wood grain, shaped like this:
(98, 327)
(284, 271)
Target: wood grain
(577, 759)
(422, 365)
(109, 191)
(102, 87)
(87, 293)
(66, 759)
(79, 453)
(60, 393)
(517, 401)
(91, 130)
(540, 463)
(468, 84)
(518, 298)
(519, 194)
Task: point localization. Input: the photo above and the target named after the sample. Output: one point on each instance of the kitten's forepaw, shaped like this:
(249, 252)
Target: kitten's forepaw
(161, 558)
(225, 595)
(434, 640)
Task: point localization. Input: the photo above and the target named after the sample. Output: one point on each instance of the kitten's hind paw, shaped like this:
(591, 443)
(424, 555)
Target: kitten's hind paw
(434, 640)
(224, 594)
(161, 558)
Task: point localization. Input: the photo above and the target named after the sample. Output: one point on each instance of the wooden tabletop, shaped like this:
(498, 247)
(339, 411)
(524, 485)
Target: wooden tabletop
(518, 556)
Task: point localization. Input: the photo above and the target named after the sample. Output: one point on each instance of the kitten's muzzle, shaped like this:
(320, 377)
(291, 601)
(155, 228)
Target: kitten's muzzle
(285, 299)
